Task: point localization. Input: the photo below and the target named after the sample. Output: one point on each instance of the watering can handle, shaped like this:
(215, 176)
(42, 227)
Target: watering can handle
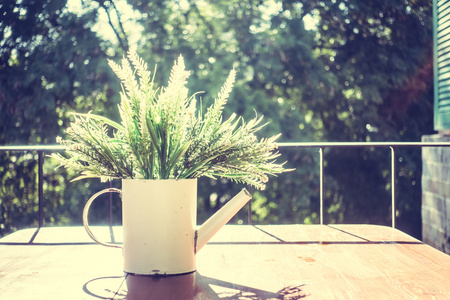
(85, 216)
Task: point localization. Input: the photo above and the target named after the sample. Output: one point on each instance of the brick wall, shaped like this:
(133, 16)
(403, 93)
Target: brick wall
(436, 193)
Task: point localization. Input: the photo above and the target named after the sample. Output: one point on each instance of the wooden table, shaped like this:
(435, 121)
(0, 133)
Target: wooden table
(240, 262)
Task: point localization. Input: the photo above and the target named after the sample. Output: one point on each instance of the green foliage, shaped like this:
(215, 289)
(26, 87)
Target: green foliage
(162, 136)
(51, 63)
(360, 72)
(17, 199)
(317, 70)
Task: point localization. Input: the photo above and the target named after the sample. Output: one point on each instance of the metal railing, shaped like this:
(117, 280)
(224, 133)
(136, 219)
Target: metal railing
(393, 147)
(41, 149)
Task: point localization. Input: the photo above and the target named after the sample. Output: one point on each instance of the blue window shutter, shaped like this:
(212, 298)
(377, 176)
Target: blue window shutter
(441, 32)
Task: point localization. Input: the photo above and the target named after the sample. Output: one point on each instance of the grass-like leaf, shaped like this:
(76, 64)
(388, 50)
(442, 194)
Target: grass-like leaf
(161, 135)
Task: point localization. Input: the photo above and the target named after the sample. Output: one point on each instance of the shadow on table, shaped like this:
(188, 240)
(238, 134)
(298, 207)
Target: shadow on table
(191, 286)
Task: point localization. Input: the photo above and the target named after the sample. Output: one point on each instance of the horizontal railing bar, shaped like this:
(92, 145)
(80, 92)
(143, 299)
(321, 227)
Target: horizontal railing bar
(362, 144)
(283, 145)
(321, 145)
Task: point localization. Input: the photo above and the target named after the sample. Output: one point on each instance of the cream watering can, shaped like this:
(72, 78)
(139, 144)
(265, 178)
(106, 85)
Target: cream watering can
(160, 236)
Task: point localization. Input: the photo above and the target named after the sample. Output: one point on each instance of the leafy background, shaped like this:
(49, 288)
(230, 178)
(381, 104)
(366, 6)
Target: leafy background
(331, 70)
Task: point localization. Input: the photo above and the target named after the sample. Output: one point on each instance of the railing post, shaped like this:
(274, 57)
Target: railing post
(393, 184)
(40, 188)
(249, 216)
(321, 184)
(110, 222)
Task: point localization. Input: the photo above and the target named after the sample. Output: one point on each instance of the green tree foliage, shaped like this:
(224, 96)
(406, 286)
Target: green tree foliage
(360, 71)
(381, 56)
(328, 70)
(51, 62)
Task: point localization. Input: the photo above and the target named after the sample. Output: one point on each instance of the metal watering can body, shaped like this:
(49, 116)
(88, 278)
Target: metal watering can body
(160, 236)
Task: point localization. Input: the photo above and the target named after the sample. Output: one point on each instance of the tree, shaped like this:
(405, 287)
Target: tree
(357, 74)
(51, 63)
(329, 70)
(381, 55)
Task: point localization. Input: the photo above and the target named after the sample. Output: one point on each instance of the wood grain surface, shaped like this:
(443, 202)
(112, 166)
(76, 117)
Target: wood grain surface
(240, 262)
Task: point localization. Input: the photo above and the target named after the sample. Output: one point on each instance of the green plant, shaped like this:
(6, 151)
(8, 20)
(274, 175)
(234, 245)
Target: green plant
(162, 134)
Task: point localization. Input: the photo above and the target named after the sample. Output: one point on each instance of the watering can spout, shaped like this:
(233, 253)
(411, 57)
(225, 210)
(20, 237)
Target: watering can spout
(220, 218)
